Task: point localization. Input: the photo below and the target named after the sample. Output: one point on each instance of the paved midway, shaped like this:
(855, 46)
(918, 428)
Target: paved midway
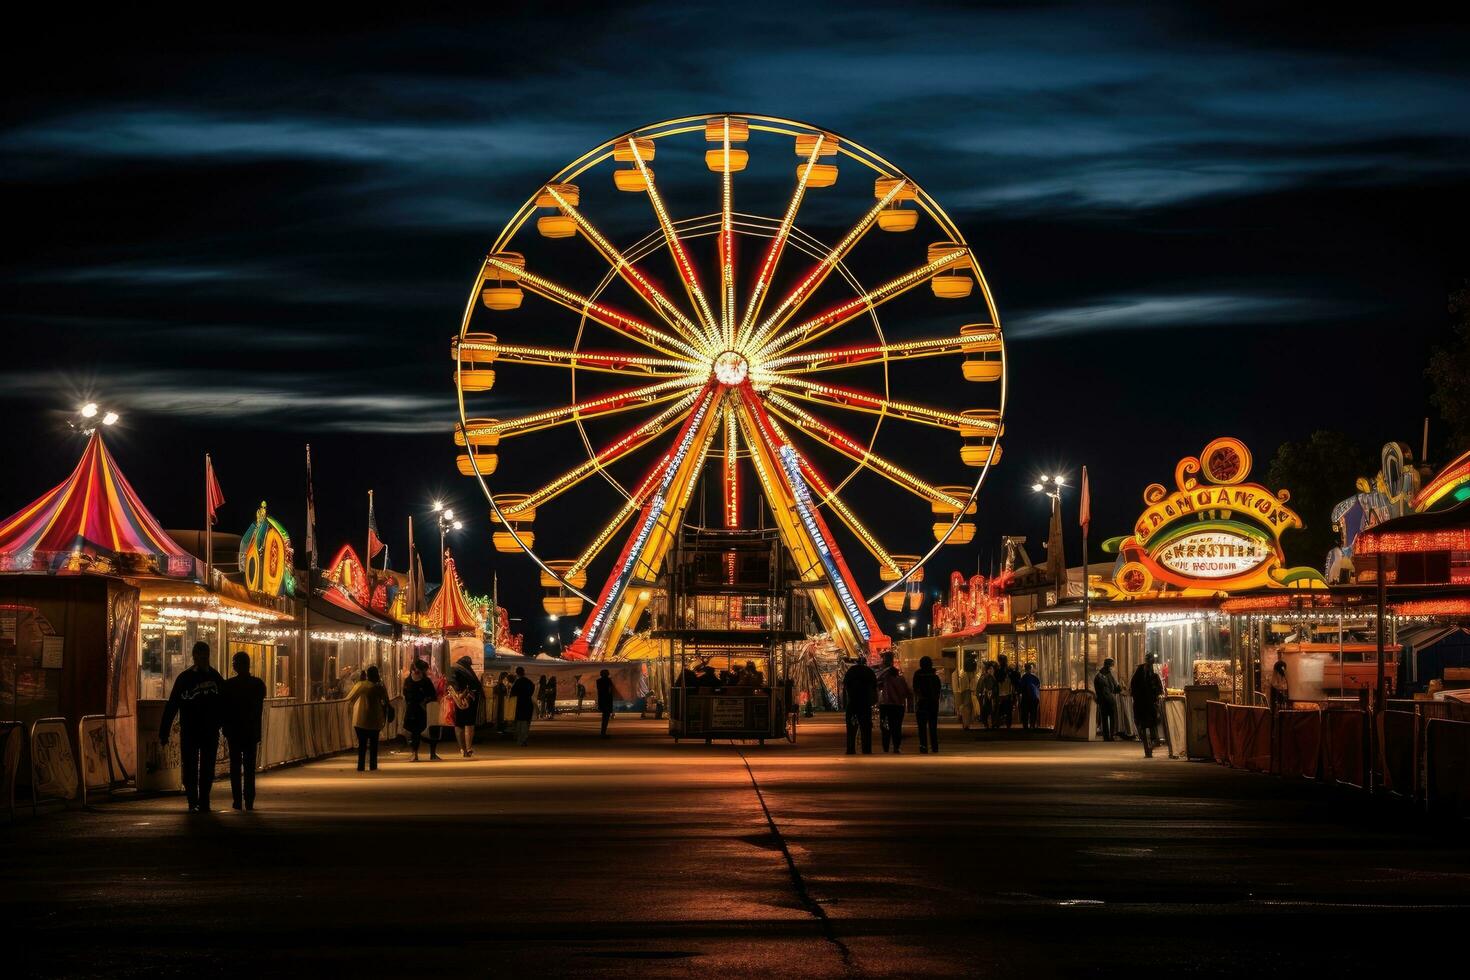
(638, 857)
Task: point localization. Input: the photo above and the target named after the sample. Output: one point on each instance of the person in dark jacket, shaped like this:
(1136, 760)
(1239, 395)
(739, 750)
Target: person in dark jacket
(894, 698)
(605, 699)
(418, 694)
(1105, 687)
(551, 696)
(197, 699)
(926, 687)
(525, 694)
(466, 694)
(244, 699)
(1146, 689)
(859, 694)
(1030, 697)
(1007, 684)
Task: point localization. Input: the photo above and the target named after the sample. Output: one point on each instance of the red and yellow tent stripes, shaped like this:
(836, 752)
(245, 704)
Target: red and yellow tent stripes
(92, 521)
(449, 610)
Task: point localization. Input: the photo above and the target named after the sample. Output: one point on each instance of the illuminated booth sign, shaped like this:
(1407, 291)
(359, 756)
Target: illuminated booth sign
(266, 556)
(1214, 531)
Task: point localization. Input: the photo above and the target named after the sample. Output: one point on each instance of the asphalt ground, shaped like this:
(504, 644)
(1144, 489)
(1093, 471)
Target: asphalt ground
(637, 857)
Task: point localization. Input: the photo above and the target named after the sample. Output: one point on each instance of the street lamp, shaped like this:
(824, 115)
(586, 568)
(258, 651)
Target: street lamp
(87, 420)
(447, 523)
(1051, 486)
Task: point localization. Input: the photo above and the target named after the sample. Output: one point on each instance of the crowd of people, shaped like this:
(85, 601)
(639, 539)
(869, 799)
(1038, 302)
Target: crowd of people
(435, 709)
(1002, 695)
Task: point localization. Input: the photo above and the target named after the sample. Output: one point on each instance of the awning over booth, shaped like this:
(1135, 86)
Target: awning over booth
(92, 521)
(336, 609)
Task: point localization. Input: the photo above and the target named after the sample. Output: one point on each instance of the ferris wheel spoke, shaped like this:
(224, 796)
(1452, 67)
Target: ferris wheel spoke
(805, 533)
(789, 306)
(598, 312)
(852, 400)
(609, 404)
(835, 439)
(661, 512)
(810, 330)
(614, 451)
(628, 272)
(727, 245)
(778, 244)
(682, 263)
(848, 518)
(830, 360)
(608, 361)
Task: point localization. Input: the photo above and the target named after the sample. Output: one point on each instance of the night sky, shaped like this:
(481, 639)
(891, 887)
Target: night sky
(1195, 223)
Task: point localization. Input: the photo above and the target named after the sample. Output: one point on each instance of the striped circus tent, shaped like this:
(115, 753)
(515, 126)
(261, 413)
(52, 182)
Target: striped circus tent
(92, 522)
(449, 610)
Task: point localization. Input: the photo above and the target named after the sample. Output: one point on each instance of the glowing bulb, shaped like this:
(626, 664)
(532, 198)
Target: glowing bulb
(449, 515)
(1037, 487)
(109, 418)
(1059, 480)
(458, 526)
(554, 617)
(89, 410)
(438, 506)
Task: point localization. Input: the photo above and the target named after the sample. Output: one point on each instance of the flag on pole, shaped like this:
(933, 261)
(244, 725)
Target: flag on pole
(374, 543)
(214, 497)
(310, 514)
(1084, 514)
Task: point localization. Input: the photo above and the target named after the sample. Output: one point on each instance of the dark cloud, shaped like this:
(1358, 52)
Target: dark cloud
(259, 237)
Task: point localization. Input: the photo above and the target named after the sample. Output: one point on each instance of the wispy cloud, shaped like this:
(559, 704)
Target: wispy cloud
(1134, 312)
(302, 402)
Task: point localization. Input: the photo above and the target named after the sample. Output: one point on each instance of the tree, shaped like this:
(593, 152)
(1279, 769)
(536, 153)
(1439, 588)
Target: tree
(1319, 472)
(1448, 371)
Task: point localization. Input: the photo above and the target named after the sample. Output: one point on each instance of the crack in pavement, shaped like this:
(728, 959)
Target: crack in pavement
(812, 906)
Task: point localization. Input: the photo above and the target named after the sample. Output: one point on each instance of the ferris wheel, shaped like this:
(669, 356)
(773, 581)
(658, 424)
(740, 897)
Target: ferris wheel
(806, 375)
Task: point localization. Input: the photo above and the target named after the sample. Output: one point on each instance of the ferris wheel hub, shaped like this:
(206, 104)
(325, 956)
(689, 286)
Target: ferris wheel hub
(731, 368)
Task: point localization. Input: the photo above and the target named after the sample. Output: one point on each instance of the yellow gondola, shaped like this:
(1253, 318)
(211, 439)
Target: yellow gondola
(898, 219)
(631, 181)
(476, 379)
(623, 150)
(714, 129)
(464, 349)
(476, 438)
(715, 160)
(570, 193)
(482, 463)
(822, 175)
(556, 226)
(805, 142)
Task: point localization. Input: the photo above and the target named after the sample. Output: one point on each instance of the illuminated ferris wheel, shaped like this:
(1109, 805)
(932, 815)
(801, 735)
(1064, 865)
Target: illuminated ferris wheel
(798, 377)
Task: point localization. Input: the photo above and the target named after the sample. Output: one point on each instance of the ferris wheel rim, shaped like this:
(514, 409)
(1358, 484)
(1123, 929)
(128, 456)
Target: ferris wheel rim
(777, 125)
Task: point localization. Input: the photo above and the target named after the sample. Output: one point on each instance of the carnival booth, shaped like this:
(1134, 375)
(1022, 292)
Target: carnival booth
(71, 564)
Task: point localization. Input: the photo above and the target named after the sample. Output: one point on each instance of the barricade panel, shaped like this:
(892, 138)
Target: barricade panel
(1298, 743)
(1396, 751)
(1342, 747)
(1447, 767)
(1218, 720)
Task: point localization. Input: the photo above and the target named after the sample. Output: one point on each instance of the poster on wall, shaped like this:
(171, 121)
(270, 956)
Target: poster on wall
(53, 768)
(159, 766)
